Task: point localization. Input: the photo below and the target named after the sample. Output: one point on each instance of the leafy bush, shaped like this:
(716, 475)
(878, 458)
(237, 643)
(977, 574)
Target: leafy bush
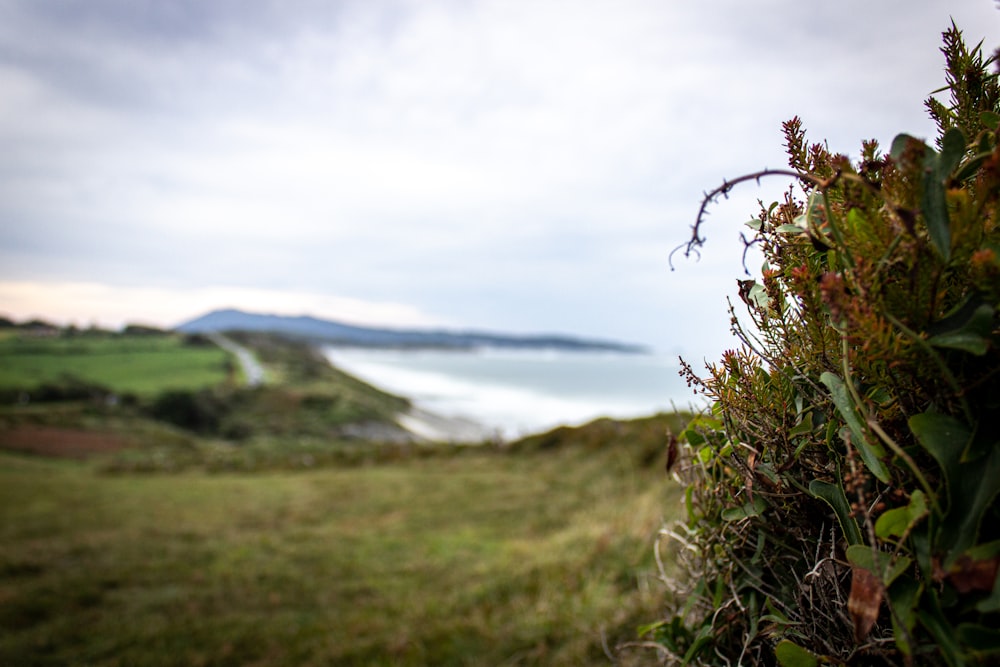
(199, 411)
(67, 387)
(842, 506)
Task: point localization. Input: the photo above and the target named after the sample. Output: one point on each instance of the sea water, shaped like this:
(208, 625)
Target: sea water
(516, 392)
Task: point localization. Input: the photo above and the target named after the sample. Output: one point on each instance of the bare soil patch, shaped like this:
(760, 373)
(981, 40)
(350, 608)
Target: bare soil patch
(61, 442)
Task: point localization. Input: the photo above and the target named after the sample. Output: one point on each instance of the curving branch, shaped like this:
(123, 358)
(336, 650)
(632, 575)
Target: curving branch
(696, 240)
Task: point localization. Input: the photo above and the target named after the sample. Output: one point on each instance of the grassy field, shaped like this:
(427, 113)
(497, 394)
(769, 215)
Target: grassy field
(142, 365)
(481, 558)
(274, 539)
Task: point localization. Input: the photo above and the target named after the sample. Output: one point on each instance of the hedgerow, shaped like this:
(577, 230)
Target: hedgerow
(842, 501)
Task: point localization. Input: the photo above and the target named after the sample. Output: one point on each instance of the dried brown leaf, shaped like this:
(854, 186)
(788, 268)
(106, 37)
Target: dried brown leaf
(865, 601)
(673, 451)
(973, 575)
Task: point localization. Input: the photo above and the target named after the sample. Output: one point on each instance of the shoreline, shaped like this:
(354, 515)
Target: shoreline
(434, 427)
(498, 395)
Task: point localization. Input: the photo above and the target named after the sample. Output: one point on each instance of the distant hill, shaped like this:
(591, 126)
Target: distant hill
(327, 331)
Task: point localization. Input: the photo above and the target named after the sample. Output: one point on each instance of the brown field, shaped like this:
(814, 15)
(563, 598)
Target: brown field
(68, 443)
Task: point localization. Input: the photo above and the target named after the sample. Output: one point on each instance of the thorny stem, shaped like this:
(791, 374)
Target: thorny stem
(723, 191)
(820, 184)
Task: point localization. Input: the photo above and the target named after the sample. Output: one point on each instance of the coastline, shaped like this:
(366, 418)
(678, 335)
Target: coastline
(433, 427)
(492, 394)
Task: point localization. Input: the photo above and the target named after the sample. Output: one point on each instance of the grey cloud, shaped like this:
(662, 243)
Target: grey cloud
(485, 161)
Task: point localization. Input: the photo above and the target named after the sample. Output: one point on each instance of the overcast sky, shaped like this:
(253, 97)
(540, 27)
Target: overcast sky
(515, 165)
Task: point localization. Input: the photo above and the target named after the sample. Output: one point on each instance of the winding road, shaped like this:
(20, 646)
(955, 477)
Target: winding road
(252, 370)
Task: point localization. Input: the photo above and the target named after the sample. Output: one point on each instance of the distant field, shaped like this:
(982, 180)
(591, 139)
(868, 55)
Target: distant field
(142, 365)
(477, 559)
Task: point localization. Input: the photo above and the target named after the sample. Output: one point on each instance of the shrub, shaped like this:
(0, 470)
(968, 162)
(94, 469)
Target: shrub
(198, 411)
(67, 387)
(842, 505)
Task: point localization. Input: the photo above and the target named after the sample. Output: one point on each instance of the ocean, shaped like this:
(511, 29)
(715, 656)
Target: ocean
(516, 392)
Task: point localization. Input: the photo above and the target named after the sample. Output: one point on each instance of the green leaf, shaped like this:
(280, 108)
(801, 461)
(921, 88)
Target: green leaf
(944, 635)
(904, 595)
(861, 556)
(749, 509)
(900, 143)
(984, 551)
(703, 639)
(790, 654)
(878, 563)
(752, 612)
(803, 428)
(834, 496)
(693, 437)
(643, 630)
(754, 224)
(921, 542)
(671, 634)
(990, 120)
(971, 485)
(944, 438)
(962, 340)
(777, 619)
(934, 206)
(720, 593)
(952, 150)
(970, 167)
(871, 453)
(897, 522)
(689, 503)
(893, 523)
(758, 294)
(772, 611)
(702, 424)
(981, 640)
(790, 229)
(970, 333)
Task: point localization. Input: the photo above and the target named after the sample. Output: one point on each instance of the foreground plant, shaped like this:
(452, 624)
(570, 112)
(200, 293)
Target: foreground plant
(842, 506)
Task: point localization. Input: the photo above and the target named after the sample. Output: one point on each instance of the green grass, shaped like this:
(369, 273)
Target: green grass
(480, 558)
(142, 365)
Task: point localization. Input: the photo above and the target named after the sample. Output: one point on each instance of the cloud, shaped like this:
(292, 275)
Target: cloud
(505, 164)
